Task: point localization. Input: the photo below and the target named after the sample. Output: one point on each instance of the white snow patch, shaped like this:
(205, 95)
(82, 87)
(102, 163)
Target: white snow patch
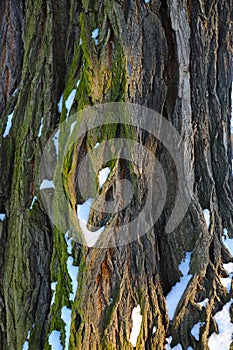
(95, 35)
(41, 127)
(8, 125)
(92, 237)
(153, 330)
(33, 201)
(178, 289)
(184, 265)
(228, 267)
(177, 347)
(228, 241)
(25, 345)
(80, 41)
(56, 141)
(59, 105)
(168, 345)
(2, 217)
(206, 213)
(69, 242)
(66, 317)
(137, 320)
(73, 272)
(195, 331)
(225, 327)
(54, 341)
(53, 287)
(69, 101)
(15, 92)
(72, 269)
(190, 348)
(103, 175)
(147, 1)
(47, 184)
(83, 211)
(77, 84)
(204, 302)
(96, 145)
(226, 281)
(72, 127)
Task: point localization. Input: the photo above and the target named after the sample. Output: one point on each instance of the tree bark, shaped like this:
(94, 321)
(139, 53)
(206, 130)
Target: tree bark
(174, 57)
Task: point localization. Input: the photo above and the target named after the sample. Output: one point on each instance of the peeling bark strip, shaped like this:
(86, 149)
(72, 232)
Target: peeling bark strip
(172, 56)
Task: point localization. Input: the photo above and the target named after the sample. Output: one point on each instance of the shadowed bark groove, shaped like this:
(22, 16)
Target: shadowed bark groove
(172, 56)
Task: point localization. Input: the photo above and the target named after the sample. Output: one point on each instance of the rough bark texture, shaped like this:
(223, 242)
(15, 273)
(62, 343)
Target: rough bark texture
(11, 48)
(172, 56)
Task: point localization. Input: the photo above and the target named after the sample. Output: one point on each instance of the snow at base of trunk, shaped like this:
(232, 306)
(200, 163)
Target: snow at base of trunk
(224, 338)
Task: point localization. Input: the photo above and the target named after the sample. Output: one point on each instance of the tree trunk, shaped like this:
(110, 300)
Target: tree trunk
(173, 57)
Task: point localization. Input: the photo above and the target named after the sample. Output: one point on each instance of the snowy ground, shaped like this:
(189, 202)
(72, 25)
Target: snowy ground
(2, 216)
(216, 341)
(222, 318)
(225, 327)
